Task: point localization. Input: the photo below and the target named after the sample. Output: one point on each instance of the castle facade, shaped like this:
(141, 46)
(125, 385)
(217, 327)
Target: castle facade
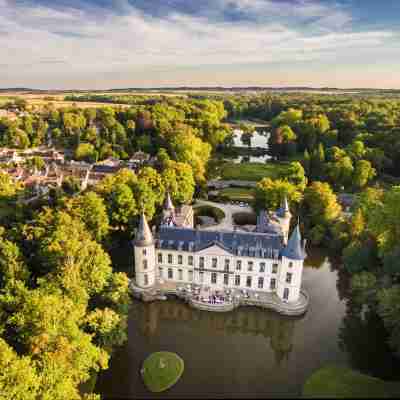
(267, 260)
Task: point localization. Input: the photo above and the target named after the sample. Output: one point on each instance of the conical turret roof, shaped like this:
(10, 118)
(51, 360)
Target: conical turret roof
(144, 236)
(285, 206)
(168, 203)
(294, 249)
(284, 210)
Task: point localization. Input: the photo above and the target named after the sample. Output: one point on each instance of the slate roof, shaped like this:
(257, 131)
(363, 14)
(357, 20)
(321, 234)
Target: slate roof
(258, 245)
(294, 249)
(144, 236)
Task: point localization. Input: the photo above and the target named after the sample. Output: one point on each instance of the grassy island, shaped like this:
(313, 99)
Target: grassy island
(162, 370)
(333, 381)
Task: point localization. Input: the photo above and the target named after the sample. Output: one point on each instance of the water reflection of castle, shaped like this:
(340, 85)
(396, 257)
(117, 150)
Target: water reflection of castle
(245, 321)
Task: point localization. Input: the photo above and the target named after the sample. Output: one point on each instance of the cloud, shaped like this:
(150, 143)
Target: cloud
(94, 40)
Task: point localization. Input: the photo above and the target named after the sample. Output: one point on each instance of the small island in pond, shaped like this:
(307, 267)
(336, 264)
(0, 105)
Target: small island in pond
(162, 370)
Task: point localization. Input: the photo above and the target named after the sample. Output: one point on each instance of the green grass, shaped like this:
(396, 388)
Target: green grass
(333, 381)
(209, 211)
(237, 194)
(162, 370)
(252, 171)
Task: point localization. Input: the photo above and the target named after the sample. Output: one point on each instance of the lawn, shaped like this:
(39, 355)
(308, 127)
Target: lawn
(237, 194)
(162, 370)
(252, 171)
(333, 381)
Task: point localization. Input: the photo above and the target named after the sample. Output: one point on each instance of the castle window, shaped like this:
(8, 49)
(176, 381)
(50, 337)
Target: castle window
(144, 252)
(260, 282)
(170, 273)
(180, 274)
(146, 280)
(160, 272)
(214, 277)
(201, 277)
(248, 281)
(274, 268)
(289, 277)
(180, 259)
(290, 265)
(145, 264)
(272, 284)
(238, 265)
(250, 266)
(214, 263)
(226, 279)
(190, 260)
(160, 257)
(169, 258)
(237, 280)
(201, 262)
(262, 267)
(190, 275)
(286, 294)
(227, 264)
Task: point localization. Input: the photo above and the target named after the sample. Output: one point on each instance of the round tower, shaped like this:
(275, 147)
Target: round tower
(286, 217)
(145, 258)
(291, 271)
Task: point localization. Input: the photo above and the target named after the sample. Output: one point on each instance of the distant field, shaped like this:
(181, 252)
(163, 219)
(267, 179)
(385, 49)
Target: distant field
(251, 171)
(57, 99)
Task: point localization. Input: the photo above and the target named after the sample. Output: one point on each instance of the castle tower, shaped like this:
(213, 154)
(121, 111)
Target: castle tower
(285, 217)
(293, 255)
(145, 259)
(168, 211)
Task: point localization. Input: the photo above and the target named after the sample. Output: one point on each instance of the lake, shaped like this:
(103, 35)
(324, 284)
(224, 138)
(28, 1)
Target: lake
(250, 352)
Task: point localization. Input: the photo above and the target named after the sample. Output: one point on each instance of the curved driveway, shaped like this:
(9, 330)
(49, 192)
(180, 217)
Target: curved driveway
(229, 209)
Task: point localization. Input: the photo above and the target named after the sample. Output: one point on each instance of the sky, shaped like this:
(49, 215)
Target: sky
(103, 44)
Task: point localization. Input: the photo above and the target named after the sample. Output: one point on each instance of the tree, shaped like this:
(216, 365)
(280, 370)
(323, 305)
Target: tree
(178, 180)
(320, 208)
(341, 171)
(91, 210)
(121, 206)
(8, 188)
(85, 152)
(363, 173)
(389, 310)
(383, 221)
(356, 150)
(270, 193)
(295, 174)
(190, 149)
(18, 377)
(12, 263)
(35, 162)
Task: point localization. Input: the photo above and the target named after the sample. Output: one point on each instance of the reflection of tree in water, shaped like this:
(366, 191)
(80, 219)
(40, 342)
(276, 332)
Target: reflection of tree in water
(365, 340)
(277, 328)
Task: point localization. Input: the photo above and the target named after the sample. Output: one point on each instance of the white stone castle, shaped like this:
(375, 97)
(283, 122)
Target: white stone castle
(266, 260)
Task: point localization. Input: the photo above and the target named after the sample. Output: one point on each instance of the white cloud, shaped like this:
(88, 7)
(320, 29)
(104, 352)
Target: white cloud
(66, 43)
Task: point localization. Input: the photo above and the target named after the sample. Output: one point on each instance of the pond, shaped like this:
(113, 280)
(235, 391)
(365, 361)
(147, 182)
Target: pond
(258, 139)
(250, 352)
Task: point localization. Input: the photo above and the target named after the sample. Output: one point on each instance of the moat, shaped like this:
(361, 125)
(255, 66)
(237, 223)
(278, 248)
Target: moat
(250, 352)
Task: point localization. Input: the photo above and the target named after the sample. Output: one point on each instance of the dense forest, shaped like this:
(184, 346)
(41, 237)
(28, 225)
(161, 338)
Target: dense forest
(63, 307)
